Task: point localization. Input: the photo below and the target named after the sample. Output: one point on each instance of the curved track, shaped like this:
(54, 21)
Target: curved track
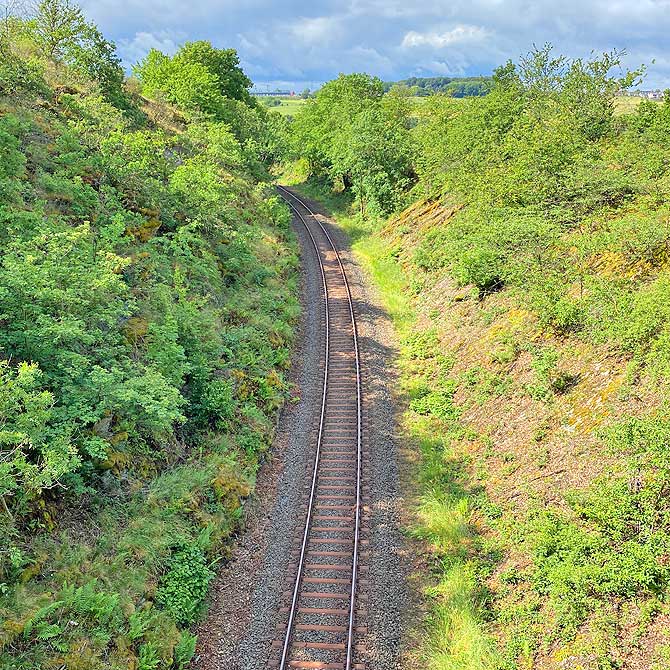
(321, 616)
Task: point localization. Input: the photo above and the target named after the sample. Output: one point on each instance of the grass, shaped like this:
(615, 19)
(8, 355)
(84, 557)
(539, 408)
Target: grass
(289, 106)
(628, 104)
(387, 274)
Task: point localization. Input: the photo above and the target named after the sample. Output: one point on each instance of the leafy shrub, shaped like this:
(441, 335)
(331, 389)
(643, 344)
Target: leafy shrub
(579, 567)
(421, 345)
(648, 313)
(38, 450)
(562, 314)
(615, 541)
(438, 402)
(219, 403)
(18, 74)
(184, 586)
(481, 267)
(433, 251)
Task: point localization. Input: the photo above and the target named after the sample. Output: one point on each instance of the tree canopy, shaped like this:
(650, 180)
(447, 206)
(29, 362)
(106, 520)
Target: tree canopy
(359, 138)
(198, 77)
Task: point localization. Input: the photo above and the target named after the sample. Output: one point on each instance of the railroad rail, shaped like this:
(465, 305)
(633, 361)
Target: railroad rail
(322, 613)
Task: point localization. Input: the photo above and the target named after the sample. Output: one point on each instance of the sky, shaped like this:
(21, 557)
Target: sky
(296, 45)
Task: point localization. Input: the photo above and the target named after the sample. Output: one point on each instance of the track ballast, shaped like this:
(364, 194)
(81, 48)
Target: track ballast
(324, 612)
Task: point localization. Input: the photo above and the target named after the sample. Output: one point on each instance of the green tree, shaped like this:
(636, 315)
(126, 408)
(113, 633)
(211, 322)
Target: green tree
(209, 83)
(97, 58)
(62, 34)
(58, 26)
(359, 138)
(224, 64)
(198, 77)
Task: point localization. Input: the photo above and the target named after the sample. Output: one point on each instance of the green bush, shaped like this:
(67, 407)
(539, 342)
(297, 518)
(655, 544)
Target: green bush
(436, 402)
(481, 267)
(147, 301)
(184, 587)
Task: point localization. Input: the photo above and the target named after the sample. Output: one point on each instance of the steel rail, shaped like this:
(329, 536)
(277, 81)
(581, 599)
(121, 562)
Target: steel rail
(308, 520)
(359, 439)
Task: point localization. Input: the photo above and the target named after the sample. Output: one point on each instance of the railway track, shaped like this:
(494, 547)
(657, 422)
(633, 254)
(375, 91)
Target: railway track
(324, 611)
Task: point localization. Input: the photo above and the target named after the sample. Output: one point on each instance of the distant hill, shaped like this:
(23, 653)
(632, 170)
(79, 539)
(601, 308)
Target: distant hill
(459, 87)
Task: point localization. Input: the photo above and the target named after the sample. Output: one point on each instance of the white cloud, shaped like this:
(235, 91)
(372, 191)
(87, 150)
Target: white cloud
(135, 49)
(461, 34)
(295, 40)
(316, 31)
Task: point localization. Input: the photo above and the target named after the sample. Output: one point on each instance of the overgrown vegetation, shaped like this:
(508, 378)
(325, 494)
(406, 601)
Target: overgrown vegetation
(147, 295)
(529, 281)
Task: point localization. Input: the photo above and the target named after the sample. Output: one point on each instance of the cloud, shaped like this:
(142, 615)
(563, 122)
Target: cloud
(320, 30)
(458, 35)
(294, 41)
(136, 48)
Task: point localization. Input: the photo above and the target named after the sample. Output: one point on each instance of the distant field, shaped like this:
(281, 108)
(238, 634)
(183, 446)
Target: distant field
(627, 105)
(289, 106)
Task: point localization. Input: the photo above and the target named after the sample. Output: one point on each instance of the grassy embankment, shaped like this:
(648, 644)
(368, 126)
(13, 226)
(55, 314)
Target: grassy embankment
(148, 282)
(542, 477)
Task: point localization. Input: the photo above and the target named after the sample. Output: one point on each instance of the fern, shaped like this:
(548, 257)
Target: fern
(184, 650)
(39, 616)
(148, 658)
(46, 631)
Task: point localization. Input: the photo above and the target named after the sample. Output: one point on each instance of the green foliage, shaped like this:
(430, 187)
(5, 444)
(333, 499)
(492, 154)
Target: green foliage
(359, 138)
(198, 77)
(436, 402)
(615, 551)
(185, 585)
(148, 657)
(184, 650)
(61, 33)
(35, 451)
(57, 27)
(210, 85)
(147, 302)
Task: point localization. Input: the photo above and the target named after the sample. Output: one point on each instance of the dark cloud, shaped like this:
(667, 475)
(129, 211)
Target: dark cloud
(293, 43)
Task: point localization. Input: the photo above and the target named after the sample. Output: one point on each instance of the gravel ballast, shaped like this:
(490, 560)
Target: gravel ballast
(243, 615)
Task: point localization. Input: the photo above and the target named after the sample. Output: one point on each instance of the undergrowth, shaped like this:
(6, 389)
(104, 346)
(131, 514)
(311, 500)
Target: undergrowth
(148, 281)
